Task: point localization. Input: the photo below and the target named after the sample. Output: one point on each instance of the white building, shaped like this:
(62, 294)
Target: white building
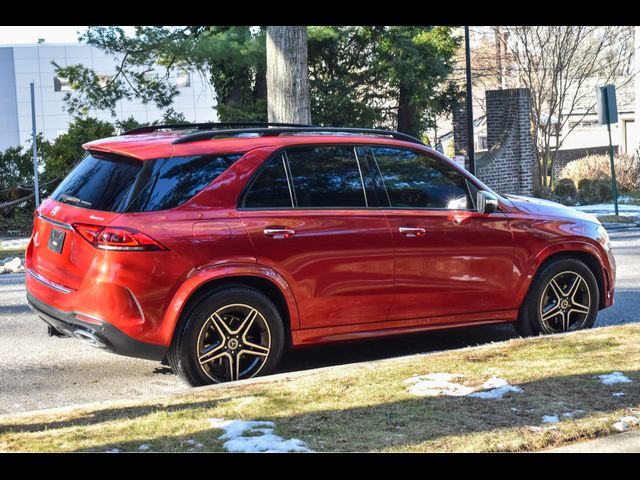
(22, 64)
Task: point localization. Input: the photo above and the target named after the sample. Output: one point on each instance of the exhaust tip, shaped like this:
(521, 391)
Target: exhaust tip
(89, 338)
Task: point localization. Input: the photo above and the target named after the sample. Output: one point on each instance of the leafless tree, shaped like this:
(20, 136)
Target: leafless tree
(562, 66)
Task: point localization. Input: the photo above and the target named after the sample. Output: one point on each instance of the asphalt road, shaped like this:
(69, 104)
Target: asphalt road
(37, 371)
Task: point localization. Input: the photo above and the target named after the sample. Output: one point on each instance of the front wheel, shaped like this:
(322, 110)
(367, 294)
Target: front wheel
(564, 297)
(234, 334)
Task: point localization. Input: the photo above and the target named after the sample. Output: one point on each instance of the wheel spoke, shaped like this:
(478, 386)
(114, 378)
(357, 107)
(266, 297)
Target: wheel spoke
(220, 324)
(556, 290)
(231, 367)
(210, 356)
(574, 287)
(565, 321)
(247, 322)
(578, 308)
(552, 312)
(257, 350)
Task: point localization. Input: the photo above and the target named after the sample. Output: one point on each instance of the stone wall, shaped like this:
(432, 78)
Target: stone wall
(565, 156)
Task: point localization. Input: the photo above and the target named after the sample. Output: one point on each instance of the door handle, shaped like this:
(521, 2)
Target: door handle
(279, 232)
(412, 231)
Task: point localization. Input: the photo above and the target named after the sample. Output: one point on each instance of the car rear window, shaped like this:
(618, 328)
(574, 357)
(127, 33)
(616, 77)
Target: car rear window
(118, 183)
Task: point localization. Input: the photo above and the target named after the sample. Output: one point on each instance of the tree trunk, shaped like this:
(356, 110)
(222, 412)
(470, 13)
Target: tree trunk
(407, 114)
(287, 75)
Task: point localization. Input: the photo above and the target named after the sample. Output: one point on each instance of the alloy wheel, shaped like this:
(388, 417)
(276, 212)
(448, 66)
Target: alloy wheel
(234, 343)
(565, 303)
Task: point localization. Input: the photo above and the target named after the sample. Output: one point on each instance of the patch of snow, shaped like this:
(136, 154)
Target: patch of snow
(618, 394)
(190, 441)
(114, 450)
(199, 445)
(550, 419)
(13, 265)
(437, 384)
(495, 388)
(515, 410)
(625, 422)
(440, 384)
(234, 431)
(615, 377)
(572, 414)
(144, 447)
(609, 209)
(620, 426)
(14, 243)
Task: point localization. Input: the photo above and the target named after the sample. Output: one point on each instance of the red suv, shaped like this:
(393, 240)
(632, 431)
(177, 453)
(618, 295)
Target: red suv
(216, 247)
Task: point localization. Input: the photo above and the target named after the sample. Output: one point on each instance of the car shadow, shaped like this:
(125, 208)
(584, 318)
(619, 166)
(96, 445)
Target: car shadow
(378, 349)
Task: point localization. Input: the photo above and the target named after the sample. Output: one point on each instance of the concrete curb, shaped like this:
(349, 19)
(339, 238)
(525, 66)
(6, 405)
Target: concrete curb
(627, 442)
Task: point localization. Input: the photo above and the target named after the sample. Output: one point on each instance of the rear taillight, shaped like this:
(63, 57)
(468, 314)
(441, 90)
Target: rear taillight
(117, 238)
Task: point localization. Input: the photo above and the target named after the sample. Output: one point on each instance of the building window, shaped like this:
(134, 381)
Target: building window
(183, 79)
(150, 76)
(584, 124)
(61, 84)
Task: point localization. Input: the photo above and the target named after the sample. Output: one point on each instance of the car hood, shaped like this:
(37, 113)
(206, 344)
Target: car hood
(539, 206)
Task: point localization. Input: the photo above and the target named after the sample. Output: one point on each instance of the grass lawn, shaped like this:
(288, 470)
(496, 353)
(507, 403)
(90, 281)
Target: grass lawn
(367, 406)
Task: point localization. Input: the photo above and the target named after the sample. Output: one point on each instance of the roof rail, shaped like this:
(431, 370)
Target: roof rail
(297, 129)
(208, 126)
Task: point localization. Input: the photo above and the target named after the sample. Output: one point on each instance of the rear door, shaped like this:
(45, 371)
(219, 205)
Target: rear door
(449, 259)
(311, 218)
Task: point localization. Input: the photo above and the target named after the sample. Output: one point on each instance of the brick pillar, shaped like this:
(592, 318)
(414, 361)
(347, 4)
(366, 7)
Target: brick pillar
(509, 165)
(460, 129)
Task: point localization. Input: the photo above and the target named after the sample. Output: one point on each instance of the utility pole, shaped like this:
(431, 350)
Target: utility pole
(35, 146)
(470, 149)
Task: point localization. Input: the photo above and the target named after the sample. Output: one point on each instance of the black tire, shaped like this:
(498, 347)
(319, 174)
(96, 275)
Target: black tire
(218, 338)
(544, 310)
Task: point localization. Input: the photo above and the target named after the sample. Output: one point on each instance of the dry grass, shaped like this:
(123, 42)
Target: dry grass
(366, 407)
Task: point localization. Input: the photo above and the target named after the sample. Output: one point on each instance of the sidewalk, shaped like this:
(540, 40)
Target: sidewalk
(628, 442)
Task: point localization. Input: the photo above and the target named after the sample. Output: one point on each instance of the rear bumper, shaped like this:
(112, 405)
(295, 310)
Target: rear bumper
(109, 337)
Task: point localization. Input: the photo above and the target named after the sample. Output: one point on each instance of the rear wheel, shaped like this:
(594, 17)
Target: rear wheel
(564, 297)
(234, 334)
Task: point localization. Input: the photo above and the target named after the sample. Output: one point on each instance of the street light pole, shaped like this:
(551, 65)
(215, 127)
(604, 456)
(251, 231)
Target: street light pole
(470, 148)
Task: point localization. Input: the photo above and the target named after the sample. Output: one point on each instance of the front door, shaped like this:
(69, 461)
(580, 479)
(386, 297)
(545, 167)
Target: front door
(311, 218)
(449, 259)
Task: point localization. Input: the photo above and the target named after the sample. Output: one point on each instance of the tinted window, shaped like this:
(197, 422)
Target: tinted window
(117, 183)
(417, 180)
(325, 177)
(169, 182)
(100, 182)
(270, 190)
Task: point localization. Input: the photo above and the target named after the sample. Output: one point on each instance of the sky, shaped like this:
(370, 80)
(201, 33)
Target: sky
(57, 34)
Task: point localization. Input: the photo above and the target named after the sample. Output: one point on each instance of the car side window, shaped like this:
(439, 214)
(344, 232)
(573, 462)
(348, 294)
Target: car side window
(418, 180)
(271, 188)
(326, 177)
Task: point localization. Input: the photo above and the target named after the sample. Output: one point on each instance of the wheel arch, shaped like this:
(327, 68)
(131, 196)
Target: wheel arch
(199, 286)
(583, 252)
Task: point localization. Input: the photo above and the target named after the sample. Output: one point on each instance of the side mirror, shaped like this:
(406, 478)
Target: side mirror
(486, 202)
